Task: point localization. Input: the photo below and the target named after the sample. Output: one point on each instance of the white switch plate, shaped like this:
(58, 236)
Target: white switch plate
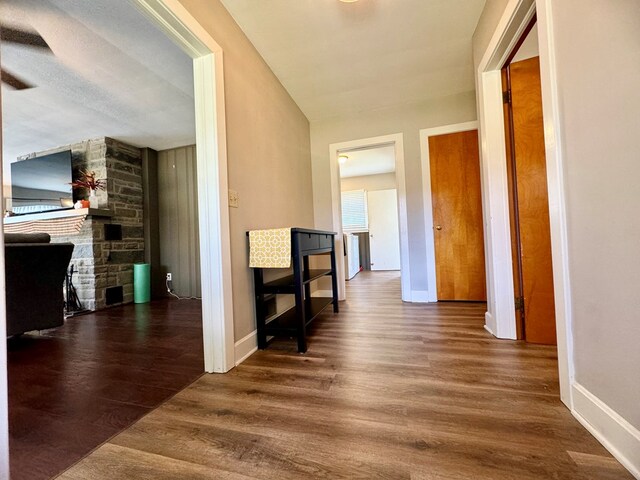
(234, 199)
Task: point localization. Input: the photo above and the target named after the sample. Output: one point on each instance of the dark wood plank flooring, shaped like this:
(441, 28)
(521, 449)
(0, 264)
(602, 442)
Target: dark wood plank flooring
(387, 390)
(74, 387)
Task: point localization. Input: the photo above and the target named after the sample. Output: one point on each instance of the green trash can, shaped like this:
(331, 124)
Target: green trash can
(141, 283)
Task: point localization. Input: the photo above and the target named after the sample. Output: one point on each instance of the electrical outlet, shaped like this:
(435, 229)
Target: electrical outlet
(234, 198)
(169, 277)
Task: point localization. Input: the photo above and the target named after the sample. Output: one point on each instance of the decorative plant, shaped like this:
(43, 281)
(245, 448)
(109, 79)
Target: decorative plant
(88, 180)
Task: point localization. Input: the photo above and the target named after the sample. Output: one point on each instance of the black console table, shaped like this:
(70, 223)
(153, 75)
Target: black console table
(294, 322)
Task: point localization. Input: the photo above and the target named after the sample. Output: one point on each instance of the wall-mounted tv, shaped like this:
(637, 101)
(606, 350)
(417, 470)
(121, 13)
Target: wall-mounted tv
(42, 184)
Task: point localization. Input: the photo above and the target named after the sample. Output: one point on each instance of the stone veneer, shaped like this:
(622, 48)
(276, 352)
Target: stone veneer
(101, 263)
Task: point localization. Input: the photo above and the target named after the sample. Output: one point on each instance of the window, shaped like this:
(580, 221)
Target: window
(354, 211)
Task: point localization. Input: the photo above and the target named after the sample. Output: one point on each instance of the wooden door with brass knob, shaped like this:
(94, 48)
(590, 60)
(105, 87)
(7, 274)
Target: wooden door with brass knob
(457, 216)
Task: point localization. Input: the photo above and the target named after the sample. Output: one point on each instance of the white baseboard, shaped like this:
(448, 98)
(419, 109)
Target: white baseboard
(420, 296)
(489, 323)
(245, 347)
(489, 330)
(616, 434)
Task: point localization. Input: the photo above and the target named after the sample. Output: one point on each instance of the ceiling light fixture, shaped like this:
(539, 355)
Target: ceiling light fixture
(348, 1)
(342, 159)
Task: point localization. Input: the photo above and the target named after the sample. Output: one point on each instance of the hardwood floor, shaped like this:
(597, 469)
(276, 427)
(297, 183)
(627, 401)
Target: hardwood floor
(386, 390)
(74, 387)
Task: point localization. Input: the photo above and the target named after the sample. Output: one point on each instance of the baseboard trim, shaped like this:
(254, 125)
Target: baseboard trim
(488, 321)
(245, 347)
(420, 296)
(616, 434)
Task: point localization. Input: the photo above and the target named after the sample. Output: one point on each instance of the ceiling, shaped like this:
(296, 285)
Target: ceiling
(338, 58)
(368, 161)
(112, 73)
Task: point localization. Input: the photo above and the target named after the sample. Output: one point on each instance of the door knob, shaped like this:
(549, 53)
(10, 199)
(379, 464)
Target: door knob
(438, 227)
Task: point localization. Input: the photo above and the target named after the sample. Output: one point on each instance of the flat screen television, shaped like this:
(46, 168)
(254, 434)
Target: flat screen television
(42, 184)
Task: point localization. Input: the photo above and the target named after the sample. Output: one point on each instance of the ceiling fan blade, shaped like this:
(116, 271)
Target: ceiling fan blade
(14, 81)
(21, 37)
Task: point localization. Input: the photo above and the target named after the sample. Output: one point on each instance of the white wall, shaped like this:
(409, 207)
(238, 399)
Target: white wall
(370, 183)
(406, 119)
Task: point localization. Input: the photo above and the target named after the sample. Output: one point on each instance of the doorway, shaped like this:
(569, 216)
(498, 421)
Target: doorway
(335, 150)
(528, 195)
(453, 212)
(500, 317)
(369, 202)
(178, 24)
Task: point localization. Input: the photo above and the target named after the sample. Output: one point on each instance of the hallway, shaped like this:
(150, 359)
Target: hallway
(386, 390)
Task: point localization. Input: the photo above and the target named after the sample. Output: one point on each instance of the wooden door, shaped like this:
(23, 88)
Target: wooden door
(531, 201)
(457, 216)
(384, 230)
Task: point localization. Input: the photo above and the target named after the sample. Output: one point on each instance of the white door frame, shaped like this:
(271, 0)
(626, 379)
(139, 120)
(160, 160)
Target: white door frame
(211, 146)
(425, 133)
(4, 392)
(500, 317)
(336, 205)
(215, 252)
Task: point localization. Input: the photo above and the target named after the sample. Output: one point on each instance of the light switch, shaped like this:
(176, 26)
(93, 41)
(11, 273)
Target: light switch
(233, 199)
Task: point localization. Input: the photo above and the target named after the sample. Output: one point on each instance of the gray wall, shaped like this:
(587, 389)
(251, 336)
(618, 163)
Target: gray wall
(597, 45)
(178, 219)
(268, 151)
(598, 56)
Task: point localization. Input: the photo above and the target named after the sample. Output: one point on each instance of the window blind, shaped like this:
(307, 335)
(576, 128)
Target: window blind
(355, 217)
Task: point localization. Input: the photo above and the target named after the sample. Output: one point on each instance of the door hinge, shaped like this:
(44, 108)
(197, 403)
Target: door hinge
(519, 301)
(506, 97)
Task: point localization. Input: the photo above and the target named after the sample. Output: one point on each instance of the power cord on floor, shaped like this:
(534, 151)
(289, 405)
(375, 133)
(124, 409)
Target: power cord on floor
(170, 291)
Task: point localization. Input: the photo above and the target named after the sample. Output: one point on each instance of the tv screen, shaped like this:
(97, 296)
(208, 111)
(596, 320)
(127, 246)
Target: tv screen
(42, 184)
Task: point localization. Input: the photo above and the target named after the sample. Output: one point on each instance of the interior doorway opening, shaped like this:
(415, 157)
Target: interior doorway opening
(500, 317)
(369, 199)
(528, 194)
(386, 192)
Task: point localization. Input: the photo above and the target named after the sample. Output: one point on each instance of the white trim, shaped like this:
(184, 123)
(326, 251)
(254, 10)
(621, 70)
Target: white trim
(500, 305)
(215, 248)
(421, 296)
(425, 133)
(178, 24)
(489, 324)
(616, 434)
(4, 392)
(557, 206)
(245, 347)
(334, 148)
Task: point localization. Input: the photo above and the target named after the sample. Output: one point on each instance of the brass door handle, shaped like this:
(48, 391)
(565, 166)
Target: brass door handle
(438, 227)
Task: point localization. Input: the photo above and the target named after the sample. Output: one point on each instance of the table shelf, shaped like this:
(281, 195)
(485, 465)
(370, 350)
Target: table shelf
(294, 322)
(288, 284)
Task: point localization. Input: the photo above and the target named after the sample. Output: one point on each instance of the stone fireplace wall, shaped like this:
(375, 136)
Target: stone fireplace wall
(103, 264)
